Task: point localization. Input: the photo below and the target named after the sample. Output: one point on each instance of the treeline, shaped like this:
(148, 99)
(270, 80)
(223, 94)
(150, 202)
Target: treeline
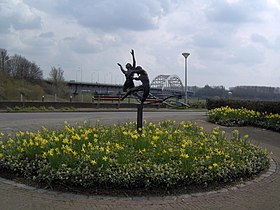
(238, 92)
(21, 79)
(18, 67)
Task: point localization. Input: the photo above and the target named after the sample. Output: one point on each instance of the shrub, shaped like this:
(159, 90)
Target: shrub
(241, 117)
(259, 106)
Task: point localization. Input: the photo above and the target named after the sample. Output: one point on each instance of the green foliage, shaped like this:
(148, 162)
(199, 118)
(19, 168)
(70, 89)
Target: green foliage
(208, 91)
(241, 117)
(255, 92)
(197, 103)
(259, 106)
(11, 89)
(41, 108)
(51, 108)
(165, 155)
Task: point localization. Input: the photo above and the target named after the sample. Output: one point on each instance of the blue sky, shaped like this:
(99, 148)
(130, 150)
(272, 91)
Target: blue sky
(231, 42)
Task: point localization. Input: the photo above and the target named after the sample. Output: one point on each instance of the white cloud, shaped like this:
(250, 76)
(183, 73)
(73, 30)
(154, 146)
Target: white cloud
(15, 14)
(229, 41)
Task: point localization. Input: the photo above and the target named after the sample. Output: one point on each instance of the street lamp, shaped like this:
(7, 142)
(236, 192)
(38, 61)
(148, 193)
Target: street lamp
(77, 75)
(186, 55)
(79, 70)
(92, 73)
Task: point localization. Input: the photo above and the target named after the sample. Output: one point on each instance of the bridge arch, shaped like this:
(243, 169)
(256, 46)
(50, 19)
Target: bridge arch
(167, 82)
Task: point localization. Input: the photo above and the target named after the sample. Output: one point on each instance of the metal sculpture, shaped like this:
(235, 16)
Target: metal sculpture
(142, 91)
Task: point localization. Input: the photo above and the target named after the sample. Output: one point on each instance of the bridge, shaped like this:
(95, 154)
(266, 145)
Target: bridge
(161, 86)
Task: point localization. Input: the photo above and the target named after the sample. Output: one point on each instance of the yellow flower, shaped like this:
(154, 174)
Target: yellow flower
(210, 167)
(67, 149)
(216, 133)
(207, 157)
(57, 151)
(118, 147)
(124, 133)
(186, 156)
(202, 134)
(107, 150)
(44, 155)
(20, 149)
(93, 162)
(142, 151)
(155, 138)
(219, 152)
(50, 152)
(105, 158)
(74, 153)
(143, 135)
(215, 165)
(65, 141)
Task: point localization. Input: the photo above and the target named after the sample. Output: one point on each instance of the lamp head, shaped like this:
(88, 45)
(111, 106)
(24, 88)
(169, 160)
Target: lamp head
(185, 54)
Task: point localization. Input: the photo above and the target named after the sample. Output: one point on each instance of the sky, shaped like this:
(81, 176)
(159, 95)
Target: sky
(231, 42)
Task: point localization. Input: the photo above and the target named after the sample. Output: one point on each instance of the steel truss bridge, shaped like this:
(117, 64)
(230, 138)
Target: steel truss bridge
(161, 86)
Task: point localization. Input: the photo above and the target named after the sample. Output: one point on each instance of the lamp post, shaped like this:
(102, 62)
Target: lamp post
(77, 75)
(186, 55)
(93, 73)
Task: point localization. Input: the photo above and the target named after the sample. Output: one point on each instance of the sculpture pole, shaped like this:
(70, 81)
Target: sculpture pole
(140, 117)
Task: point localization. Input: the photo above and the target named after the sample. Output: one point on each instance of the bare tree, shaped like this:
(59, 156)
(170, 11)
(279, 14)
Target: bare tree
(56, 75)
(4, 58)
(21, 68)
(58, 82)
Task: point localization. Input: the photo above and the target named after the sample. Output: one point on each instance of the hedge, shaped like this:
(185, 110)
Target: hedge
(259, 106)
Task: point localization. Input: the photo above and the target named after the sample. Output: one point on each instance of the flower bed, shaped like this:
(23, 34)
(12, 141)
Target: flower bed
(241, 117)
(165, 155)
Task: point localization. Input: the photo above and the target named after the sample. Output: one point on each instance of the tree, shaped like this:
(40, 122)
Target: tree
(215, 91)
(56, 75)
(23, 69)
(4, 58)
(58, 82)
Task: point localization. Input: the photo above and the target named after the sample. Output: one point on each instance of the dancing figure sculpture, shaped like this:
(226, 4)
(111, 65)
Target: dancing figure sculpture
(130, 75)
(128, 84)
(145, 87)
(141, 92)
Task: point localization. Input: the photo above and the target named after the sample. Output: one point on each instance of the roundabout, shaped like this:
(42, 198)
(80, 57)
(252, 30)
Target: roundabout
(243, 196)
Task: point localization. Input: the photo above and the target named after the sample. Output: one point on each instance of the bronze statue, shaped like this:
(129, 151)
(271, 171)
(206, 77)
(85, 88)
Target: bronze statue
(145, 87)
(129, 86)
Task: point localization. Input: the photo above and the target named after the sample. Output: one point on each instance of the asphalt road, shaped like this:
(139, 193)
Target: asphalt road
(11, 122)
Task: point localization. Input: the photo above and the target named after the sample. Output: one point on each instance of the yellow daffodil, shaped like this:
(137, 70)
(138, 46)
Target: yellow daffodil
(105, 158)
